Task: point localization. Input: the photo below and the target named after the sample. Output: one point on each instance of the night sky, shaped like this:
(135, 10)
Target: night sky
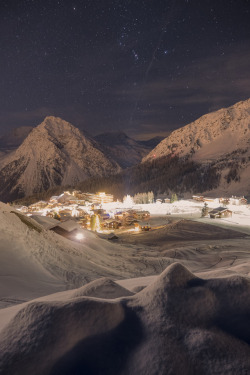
(143, 67)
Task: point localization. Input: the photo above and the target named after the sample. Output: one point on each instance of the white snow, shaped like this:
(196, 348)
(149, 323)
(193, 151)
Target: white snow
(169, 322)
(178, 324)
(240, 213)
(221, 137)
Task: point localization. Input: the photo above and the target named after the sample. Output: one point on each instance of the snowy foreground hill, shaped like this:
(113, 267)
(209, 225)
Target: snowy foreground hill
(144, 312)
(179, 324)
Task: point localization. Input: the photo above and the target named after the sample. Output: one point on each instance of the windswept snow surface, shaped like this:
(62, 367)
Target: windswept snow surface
(192, 209)
(175, 301)
(178, 324)
(36, 262)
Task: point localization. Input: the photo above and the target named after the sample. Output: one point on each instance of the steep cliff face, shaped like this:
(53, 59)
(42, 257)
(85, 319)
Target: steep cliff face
(54, 153)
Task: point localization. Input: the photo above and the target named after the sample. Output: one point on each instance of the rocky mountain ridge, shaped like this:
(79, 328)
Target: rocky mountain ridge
(220, 139)
(54, 153)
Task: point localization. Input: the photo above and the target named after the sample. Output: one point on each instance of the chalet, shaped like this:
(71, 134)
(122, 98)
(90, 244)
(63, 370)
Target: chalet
(112, 224)
(167, 200)
(98, 198)
(80, 212)
(53, 199)
(37, 206)
(129, 220)
(141, 215)
(238, 200)
(224, 201)
(198, 198)
(119, 215)
(163, 198)
(122, 215)
(23, 209)
(220, 212)
(66, 198)
(46, 221)
(104, 216)
(68, 229)
(65, 214)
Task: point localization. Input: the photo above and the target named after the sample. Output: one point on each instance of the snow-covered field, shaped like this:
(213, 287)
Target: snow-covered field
(240, 213)
(171, 301)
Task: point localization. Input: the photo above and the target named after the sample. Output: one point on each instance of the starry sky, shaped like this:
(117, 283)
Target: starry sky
(143, 67)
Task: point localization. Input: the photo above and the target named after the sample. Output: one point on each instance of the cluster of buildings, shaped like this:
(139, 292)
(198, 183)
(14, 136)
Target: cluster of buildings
(222, 211)
(233, 200)
(85, 209)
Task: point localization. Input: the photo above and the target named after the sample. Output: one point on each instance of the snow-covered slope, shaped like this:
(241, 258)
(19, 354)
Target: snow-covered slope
(211, 136)
(35, 262)
(179, 324)
(123, 149)
(54, 153)
(221, 138)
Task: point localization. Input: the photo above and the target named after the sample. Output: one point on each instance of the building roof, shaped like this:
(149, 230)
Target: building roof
(45, 221)
(219, 209)
(68, 225)
(108, 221)
(50, 223)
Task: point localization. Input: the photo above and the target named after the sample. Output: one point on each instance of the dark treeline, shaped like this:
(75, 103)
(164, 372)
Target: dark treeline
(161, 176)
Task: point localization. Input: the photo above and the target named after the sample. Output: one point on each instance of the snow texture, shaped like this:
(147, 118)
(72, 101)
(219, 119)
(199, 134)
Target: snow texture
(221, 138)
(179, 324)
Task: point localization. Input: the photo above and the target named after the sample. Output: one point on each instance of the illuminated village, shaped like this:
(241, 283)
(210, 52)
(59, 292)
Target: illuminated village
(97, 212)
(70, 213)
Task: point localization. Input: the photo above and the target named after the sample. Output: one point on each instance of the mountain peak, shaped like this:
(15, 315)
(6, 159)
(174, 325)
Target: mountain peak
(54, 153)
(220, 140)
(210, 136)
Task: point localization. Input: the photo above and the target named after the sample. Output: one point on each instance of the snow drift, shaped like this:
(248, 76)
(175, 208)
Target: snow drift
(179, 324)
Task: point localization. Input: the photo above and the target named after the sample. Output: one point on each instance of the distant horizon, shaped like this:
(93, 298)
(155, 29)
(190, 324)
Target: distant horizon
(136, 136)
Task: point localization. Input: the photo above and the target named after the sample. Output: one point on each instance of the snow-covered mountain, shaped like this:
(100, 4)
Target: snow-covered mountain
(54, 153)
(123, 149)
(221, 139)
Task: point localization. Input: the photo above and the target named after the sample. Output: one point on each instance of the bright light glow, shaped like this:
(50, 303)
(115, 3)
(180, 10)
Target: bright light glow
(128, 201)
(79, 236)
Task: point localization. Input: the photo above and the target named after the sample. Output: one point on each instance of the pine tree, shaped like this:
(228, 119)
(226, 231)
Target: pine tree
(174, 198)
(93, 222)
(150, 197)
(204, 211)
